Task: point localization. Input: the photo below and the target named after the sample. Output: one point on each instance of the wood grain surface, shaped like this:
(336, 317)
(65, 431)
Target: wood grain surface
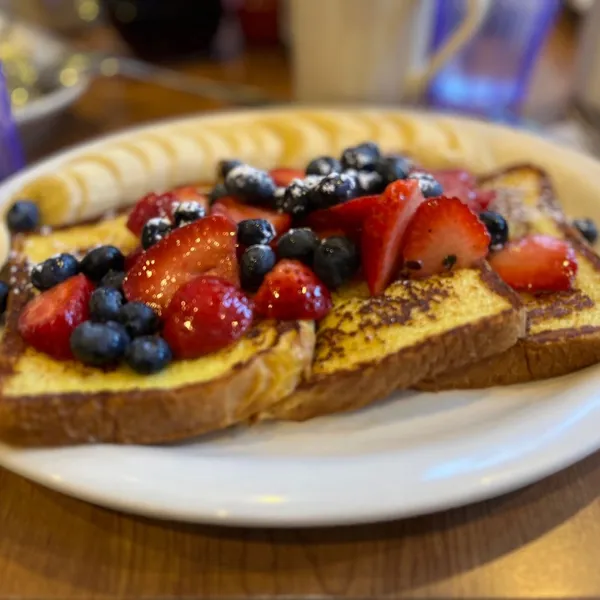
(543, 541)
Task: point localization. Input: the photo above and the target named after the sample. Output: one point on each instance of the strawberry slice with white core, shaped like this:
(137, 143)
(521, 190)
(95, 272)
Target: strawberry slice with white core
(536, 263)
(444, 234)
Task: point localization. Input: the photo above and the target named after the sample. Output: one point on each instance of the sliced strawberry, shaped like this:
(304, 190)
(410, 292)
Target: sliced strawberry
(383, 232)
(150, 206)
(292, 291)
(132, 258)
(206, 315)
(536, 263)
(205, 247)
(483, 199)
(444, 234)
(190, 193)
(237, 211)
(47, 322)
(284, 176)
(348, 217)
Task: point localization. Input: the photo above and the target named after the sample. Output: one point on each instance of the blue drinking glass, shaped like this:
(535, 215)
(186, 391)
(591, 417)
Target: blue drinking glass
(11, 151)
(489, 76)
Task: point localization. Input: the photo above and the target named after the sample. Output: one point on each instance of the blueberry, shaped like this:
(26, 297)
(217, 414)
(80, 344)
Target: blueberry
(335, 261)
(255, 263)
(587, 228)
(497, 228)
(219, 191)
(98, 262)
(363, 157)
(226, 165)
(298, 244)
(369, 183)
(250, 184)
(392, 168)
(155, 230)
(139, 319)
(430, 187)
(296, 199)
(113, 279)
(105, 304)
(4, 291)
(323, 165)
(333, 189)
(53, 271)
(23, 216)
(148, 354)
(255, 231)
(98, 344)
(188, 212)
(120, 329)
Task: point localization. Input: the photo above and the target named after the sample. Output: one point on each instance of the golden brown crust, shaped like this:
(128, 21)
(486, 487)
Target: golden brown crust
(354, 389)
(159, 415)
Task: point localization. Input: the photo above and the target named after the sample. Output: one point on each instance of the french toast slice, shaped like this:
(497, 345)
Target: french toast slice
(48, 402)
(563, 329)
(367, 347)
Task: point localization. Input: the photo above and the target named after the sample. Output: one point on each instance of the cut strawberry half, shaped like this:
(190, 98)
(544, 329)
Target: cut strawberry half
(47, 322)
(205, 247)
(443, 235)
(238, 211)
(132, 258)
(284, 176)
(348, 217)
(463, 185)
(206, 315)
(190, 193)
(383, 232)
(292, 291)
(536, 263)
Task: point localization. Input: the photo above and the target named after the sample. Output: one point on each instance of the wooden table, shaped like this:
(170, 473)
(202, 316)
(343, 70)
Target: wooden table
(540, 541)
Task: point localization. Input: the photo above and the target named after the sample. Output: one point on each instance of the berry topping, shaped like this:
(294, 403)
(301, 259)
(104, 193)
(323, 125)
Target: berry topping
(536, 263)
(99, 344)
(333, 189)
(113, 279)
(296, 199)
(237, 212)
(463, 185)
(392, 168)
(255, 263)
(348, 217)
(255, 231)
(370, 182)
(187, 212)
(23, 216)
(206, 315)
(98, 262)
(4, 291)
(150, 207)
(336, 261)
(207, 246)
(226, 165)
(444, 234)
(154, 231)
(218, 192)
(323, 165)
(587, 228)
(138, 319)
(53, 271)
(46, 323)
(430, 186)
(188, 193)
(284, 176)
(105, 304)
(363, 157)
(292, 291)
(148, 354)
(250, 184)
(497, 227)
(383, 232)
(298, 244)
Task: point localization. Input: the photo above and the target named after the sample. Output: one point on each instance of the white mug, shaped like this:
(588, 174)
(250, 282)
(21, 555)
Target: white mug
(369, 50)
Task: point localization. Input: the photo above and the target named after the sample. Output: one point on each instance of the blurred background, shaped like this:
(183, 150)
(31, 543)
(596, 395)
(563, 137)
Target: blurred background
(77, 68)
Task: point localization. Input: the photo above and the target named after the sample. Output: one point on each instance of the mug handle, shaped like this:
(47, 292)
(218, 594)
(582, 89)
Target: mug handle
(476, 13)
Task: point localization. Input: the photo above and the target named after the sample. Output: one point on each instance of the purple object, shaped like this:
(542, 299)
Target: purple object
(489, 76)
(11, 151)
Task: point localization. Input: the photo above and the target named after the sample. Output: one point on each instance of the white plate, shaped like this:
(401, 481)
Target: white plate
(413, 454)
